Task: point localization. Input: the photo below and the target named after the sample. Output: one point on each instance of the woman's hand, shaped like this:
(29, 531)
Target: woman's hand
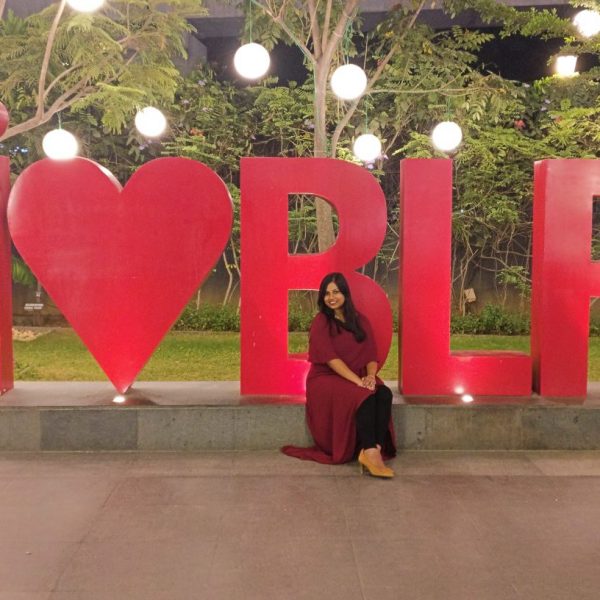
(369, 382)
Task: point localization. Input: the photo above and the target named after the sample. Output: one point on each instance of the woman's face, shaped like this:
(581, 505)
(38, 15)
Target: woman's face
(333, 297)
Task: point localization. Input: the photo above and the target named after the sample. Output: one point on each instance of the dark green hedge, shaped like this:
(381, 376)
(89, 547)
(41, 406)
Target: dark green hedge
(492, 320)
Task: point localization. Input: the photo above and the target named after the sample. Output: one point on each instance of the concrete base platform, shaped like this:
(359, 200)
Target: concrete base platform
(71, 416)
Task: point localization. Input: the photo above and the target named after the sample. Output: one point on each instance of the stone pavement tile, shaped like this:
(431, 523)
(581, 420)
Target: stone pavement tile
(157, 522)
(300, 568)
(52, 521)
(35, 491)
(400, 491)
(413, 568)
(185, 464)
(463, 462)
(122, 567)
(71, 464)
(61, 464)
(574, 462)
(129, 595)
(206, 490)
(285, 490)
(272, 522)
(562, 568)
(24, 595)
(268, 462)
(408, 522)
(32, 567)
(569, 588)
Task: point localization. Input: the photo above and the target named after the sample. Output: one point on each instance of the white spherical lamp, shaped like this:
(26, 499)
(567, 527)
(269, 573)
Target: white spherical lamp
(565, 65)
(348, 82)
(367, 147)
(251, 60)
(446, 136)
(587, 22)
(59, 144)
(87, 6)
(150, 122)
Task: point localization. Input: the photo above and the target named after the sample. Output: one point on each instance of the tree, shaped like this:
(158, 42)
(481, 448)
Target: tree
(114, 61)
(328, 32)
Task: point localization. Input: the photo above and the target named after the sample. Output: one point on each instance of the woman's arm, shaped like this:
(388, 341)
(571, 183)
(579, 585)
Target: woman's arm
(341, 368)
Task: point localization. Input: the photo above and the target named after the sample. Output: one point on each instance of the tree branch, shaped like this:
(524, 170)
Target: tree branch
(372, 81)
(338, 32)
(64, 101)
(326, 22)
(2, 6)
(46, 60)
(58, 78)
(279, 20)
(314, 27)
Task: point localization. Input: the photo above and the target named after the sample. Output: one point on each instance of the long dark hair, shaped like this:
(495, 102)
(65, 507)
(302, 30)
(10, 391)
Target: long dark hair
(351, 319)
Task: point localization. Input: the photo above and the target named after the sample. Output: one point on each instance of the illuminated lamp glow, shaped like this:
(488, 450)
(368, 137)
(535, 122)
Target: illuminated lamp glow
(59, 144)
(119, 399)
(367, 147)
(251, 60)
(587, 22)
(150, 122)
(565, 65)
(348, 82)
(467, 398)
(86, 6)
(446, 136)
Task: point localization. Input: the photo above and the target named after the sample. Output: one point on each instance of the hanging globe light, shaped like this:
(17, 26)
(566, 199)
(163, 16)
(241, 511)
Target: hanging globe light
(367, 147)
(587, 22)
(87, 6)
(150, 122)
(4, 118)
(348, 82)
(446, 136)
(59, 144)
(565, 65)
(251, 60)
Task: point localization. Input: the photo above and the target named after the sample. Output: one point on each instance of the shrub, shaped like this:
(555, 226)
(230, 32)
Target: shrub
(491, 320)
(208, 317)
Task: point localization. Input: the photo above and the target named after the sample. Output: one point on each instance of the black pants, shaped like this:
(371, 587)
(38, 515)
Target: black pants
(373, 418)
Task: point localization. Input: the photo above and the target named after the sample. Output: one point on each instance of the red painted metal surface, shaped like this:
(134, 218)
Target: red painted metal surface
(6, 350)
(4, 118)
(120, 264)
(269, 272)
(427, 367)
(564, 276)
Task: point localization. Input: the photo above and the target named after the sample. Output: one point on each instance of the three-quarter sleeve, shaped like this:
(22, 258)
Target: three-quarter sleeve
(320, 344)
(371, 353)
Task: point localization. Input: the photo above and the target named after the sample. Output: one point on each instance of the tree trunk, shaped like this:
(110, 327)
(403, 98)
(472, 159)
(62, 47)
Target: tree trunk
(325, 233)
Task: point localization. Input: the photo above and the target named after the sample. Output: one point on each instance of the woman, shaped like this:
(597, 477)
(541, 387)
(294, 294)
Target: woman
(347, 406)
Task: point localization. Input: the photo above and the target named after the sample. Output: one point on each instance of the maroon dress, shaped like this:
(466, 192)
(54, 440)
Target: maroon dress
(331, 400)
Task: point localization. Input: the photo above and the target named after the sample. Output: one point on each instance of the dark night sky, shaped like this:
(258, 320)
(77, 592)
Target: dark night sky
(518, 58)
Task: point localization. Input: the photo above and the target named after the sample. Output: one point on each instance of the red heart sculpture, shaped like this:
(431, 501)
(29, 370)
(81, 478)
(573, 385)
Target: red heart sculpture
(120, 263)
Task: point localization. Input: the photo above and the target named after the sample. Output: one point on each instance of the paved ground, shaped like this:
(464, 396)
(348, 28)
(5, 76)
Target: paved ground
(452, 525)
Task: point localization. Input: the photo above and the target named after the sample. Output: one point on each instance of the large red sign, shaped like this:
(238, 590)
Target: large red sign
(6, 357)
(269, 271)
(121, 264)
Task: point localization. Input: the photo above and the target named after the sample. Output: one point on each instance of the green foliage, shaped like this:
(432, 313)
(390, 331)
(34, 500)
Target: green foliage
(491, 320)
(21, 273)
(208, 317)
(113, 61)
(299, 318)
(213, 317)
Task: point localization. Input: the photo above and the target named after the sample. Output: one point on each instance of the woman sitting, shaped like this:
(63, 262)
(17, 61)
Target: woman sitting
(348, 408)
